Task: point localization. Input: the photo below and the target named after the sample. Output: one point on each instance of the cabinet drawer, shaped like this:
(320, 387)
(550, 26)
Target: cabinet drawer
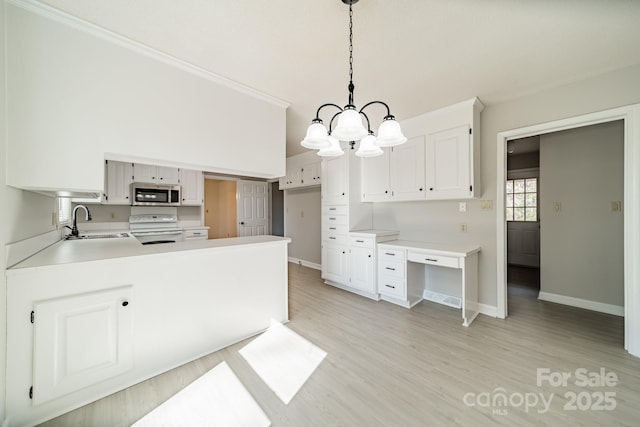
(363, 242)
(390, 254)
(335, 210)
(329, 220)
(441, 260)
(335, 229)
(392, 286)
(196, 234)
(392, 268)
(335, 238)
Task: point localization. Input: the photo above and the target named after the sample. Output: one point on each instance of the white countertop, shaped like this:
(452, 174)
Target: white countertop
(72, 251)
(369, 233)
(451, 249)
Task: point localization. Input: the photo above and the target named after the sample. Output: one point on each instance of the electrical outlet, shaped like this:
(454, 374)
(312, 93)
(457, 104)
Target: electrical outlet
(463, 206)
(616, 206)
(301, 214)
(112, 215)
(463, 228)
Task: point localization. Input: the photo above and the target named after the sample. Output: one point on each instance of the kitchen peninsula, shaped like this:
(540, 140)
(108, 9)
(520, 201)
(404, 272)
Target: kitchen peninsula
(87, 318)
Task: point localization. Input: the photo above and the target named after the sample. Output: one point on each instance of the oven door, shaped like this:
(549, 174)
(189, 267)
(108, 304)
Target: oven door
(155, 237)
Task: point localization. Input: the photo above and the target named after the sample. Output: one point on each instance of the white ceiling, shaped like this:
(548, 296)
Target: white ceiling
(416, 55)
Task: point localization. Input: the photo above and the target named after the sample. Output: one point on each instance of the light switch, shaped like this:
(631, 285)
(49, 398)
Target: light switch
(463, 206)
(557, 206)
(486, 205)
(616, 206)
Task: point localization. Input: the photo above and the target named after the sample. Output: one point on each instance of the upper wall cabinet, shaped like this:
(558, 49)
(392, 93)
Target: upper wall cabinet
(303, 170)
(192, 182)
(155, 174)
(440, 161)
(399, 174)
(118, 179)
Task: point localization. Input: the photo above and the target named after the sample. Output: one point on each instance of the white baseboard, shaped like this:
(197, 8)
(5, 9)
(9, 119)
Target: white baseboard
(582, 303)
(488, 310)
(305, 263)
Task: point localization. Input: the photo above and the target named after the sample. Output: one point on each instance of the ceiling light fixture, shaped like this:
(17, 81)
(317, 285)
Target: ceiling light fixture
(349, 127)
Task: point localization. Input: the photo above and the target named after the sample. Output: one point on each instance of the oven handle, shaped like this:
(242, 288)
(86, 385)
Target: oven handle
(156, 233)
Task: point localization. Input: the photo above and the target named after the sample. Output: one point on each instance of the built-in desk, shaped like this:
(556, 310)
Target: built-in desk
(409, 272)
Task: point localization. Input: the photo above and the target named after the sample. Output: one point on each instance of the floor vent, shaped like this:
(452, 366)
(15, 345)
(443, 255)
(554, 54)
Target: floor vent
(443, 299)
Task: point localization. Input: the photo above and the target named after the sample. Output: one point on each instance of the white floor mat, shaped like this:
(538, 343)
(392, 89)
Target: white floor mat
(283, 359)
(217, 398)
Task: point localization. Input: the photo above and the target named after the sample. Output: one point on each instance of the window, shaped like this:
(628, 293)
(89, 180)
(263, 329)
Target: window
(64, 210)
(522, 199)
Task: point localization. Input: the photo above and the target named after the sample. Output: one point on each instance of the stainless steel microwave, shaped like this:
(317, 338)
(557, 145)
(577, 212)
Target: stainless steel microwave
(144, 194)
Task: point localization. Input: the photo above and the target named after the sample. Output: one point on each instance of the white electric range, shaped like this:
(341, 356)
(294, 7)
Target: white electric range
(155, 228)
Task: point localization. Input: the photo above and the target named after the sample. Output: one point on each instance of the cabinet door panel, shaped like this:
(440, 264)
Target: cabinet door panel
(334, 263)
(192, 187)
(335, 184)
(167, 175)
(81, 340)
(362, 269)
(145, 173)
(448, 160)
(408, 170)
(376, 185)
(118, 183)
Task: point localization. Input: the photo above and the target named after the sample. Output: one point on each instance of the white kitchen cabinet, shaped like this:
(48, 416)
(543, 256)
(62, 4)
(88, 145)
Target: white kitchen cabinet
(335, 262)
(310, 173)
(155, 174)
(392, 280)
(362, 264)
(407, 170)
(192, 187)
(449, 164)
(376, 179)
(118, 179)
(335, 180)
(80, 340)
(398, 174)
(195, 234)
(303, 170)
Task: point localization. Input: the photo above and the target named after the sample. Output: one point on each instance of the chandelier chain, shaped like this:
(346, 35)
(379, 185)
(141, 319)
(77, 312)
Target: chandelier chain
(351, 87)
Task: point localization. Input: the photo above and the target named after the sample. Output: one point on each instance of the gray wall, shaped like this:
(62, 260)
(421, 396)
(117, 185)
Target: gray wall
(581, 245)
(302, 223)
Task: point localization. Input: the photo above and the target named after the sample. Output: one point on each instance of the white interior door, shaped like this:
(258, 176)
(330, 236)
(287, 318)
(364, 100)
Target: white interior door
(253, 208)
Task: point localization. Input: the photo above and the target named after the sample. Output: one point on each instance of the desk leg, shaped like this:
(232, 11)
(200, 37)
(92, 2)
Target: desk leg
(470, 289)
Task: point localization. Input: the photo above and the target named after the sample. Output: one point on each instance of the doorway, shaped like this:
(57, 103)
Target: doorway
(523, 216)
(220, 208)
(631, 208)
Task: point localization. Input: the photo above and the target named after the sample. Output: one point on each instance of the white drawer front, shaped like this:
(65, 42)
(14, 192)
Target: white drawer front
(335, 210)
(424, 258)
(392, 286)
(335, 238)
(335, 229)
(390, 254)
(195, 234)
(364, 242)
(330, 220)
(392, 268)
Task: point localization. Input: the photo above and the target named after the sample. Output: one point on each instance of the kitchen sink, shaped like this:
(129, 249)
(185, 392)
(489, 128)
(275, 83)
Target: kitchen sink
(97, 236)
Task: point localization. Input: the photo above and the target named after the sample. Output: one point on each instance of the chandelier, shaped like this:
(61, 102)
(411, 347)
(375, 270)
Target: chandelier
(349, 127)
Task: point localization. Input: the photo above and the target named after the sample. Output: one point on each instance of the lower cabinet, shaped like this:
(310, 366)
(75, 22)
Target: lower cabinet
(392, 281)
(351, 264)
(80, 340)
(195, 234)
(335, 262)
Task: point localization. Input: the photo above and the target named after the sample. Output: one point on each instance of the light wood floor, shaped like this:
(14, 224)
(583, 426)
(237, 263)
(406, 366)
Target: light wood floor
(389, 366)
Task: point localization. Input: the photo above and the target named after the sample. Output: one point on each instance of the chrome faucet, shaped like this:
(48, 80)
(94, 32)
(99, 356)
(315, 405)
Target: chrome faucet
(87, 217)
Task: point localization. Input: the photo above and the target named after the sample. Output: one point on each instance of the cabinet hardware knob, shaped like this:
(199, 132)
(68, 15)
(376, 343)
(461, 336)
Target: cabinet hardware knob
(242, 223)
(389, 286)
(369, 256)
(389, 253)
(386, 191)
(343, 194)
(431, 259)
(343, 252)
(431, 189)
(420, 189)
(390, 268)
(125, 303)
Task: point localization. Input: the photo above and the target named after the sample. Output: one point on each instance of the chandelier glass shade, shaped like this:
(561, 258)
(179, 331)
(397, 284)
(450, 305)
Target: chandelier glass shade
(350, 126)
